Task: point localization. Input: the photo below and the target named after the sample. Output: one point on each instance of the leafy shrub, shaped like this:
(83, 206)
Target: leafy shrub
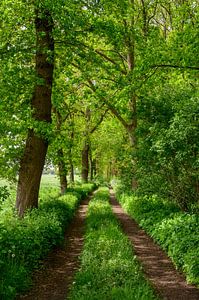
(83, 190)
(24, 242)
(4, 193)
(175, 231)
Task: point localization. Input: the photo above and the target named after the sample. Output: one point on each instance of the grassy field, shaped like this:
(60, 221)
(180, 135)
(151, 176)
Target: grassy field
(49, 185)
(46, 180)
(49, 180)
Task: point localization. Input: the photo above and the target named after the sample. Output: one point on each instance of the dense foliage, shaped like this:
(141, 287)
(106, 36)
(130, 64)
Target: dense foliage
(168, 149)
(175, 231)
(134, 60)
(107, 90)
(24, 242)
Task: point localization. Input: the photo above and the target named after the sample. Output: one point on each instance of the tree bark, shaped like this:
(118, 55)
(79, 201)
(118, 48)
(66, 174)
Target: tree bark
(132, 125)
(60, 156)
(72, 177)
(86, 147)
(85, 162)
(62, 172)
(33, 159)
(93, 168)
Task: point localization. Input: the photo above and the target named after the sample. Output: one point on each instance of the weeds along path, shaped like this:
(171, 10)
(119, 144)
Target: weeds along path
(169, 283)
(54, 279)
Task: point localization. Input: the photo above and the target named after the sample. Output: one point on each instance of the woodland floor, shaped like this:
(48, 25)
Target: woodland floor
(53, 281)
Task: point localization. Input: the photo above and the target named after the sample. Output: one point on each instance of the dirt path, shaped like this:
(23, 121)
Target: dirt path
(169, 283)
(52, 282)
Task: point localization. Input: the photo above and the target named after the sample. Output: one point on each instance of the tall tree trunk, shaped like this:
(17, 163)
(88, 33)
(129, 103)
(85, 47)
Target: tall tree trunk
(86, 147)
(132, 126)
(62, 172)
(72, 176)
(33, 159)
(92, 161)
(60, 155)
(85, 162)
(93, 171)
(133, 141)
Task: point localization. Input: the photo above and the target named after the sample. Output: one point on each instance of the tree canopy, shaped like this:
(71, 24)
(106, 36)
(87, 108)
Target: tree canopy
(108, 88)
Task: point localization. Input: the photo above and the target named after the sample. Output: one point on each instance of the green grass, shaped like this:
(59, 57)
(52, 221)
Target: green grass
(49, 187)
(49, 180)
(175, 231)
(24, 242)
(109, 269)
(48, 184)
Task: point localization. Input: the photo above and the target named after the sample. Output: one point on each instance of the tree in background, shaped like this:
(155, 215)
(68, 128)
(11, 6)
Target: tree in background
(136, 58)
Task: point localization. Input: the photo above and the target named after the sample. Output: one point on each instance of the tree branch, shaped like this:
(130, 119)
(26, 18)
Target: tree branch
(111, 108)
(100, 121)
(175, 67)
(110, 60)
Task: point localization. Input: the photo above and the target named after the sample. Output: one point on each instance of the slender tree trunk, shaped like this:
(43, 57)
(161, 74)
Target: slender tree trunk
(60, 155)
(91, 162)
(85, 162)
(33, 159)
(93, 168)
(86, 147)
(132, 126)
(62, 172)
(133, 142)
(72, 177)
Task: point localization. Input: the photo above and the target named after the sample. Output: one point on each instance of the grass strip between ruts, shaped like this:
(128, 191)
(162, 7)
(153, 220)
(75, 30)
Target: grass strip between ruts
(109, 269)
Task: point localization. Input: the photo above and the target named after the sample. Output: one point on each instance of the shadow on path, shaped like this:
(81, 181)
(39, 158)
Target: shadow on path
(53, 281)
(159, 269)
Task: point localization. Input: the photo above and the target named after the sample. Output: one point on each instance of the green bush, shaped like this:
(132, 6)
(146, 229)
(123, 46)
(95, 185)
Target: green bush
(83, 190)
(24, 242)
(109, 269)
(174, 230)
(4, 193)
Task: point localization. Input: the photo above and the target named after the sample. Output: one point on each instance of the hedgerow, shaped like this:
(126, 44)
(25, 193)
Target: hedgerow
(24, 242)
(174, 230)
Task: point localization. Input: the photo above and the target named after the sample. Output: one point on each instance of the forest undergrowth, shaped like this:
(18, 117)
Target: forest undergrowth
(174, 230)
(25, 242)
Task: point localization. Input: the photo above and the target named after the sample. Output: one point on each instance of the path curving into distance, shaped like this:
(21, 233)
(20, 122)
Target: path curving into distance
(158, 268)
(53, 281)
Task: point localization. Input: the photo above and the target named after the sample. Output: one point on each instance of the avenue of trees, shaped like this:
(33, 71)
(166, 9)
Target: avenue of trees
(110, 88)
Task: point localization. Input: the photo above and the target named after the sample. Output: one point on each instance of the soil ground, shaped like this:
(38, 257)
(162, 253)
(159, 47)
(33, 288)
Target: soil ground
(158, 268)
(53, 281)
